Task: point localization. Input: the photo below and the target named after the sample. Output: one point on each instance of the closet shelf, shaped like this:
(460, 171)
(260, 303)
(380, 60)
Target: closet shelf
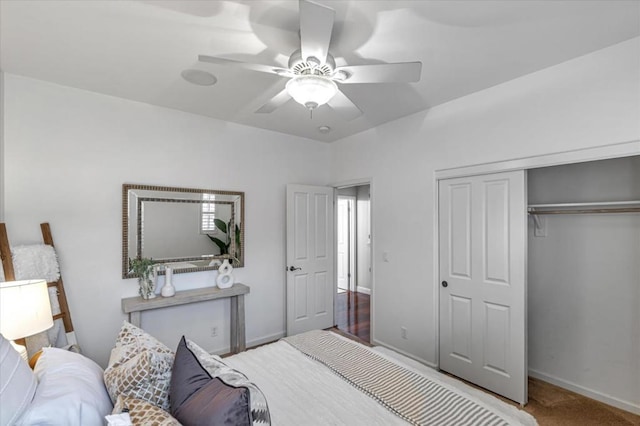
(585, 208)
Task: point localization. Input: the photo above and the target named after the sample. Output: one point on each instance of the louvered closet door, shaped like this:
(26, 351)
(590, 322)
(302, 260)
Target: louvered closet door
(482, 253)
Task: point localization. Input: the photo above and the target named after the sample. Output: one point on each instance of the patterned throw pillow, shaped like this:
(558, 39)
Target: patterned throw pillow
(214, 365)
(140, 367)
(143, 413)
(130, 335)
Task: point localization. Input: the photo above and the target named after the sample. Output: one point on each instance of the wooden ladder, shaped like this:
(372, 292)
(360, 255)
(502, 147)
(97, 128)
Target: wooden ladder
(9, 275)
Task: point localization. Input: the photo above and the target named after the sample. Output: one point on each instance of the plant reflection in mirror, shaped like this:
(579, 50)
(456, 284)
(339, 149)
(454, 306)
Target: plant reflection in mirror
(225, 245)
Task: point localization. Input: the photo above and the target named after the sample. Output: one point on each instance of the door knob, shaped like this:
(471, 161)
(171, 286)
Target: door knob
(445, 284)
(292, 268)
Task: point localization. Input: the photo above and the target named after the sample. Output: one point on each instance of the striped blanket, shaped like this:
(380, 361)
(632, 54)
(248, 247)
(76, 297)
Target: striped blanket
(415, 398)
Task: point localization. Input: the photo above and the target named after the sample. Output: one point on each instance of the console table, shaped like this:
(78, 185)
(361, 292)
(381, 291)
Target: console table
(135, 305)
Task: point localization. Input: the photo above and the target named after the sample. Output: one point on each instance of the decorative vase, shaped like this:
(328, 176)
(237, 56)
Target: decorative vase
(146, 288)
(168, 289)
(225, 275)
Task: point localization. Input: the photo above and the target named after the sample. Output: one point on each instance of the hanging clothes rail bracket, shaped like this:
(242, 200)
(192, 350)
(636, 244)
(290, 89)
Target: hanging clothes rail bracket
(539, 226)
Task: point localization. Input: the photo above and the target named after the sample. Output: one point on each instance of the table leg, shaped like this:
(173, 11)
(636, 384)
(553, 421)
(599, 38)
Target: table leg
(134, 318)
(238, 339)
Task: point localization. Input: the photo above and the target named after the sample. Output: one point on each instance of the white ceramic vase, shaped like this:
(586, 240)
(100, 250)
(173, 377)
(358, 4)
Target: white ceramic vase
(147, 288)
(225, 275)
(168, 289)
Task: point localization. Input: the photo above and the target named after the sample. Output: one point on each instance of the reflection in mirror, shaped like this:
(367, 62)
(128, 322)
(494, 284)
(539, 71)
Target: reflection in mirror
(186, 229)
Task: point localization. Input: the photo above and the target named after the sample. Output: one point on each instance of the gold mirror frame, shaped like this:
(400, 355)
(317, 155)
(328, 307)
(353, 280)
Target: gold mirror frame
(176, 195)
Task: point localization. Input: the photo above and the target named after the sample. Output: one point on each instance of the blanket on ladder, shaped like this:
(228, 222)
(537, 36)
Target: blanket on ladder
(410, 395)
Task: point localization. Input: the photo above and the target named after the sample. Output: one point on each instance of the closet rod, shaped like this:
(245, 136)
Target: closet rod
(600, 203)
(587, 211)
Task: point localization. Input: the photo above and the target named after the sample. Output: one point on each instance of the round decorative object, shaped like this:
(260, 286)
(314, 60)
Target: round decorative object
(224, 280)
(226, 267)
(225, 275)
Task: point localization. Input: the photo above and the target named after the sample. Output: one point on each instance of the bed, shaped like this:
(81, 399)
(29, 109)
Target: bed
(316, 378)
(348, 386)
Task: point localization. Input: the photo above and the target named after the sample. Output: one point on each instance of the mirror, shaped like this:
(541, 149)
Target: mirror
(186, 229)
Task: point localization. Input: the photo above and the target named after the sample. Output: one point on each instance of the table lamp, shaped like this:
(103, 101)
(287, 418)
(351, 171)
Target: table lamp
(24, 310)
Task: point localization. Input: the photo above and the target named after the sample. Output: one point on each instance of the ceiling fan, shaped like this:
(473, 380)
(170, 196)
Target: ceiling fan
(312, 71)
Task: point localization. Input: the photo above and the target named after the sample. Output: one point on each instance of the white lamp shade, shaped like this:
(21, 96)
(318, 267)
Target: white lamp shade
(311, 90)
(24, 308)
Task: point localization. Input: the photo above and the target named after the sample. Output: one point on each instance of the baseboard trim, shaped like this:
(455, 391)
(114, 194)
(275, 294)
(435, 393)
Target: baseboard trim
(251, 343)
(405, 353)
(363, 290)
(590, 393)
(266, 339)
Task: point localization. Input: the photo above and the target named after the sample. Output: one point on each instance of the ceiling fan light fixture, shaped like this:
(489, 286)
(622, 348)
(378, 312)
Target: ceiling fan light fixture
(311, 90)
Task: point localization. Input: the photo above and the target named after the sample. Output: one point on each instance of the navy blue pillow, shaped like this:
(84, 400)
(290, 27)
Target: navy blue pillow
(196, 398)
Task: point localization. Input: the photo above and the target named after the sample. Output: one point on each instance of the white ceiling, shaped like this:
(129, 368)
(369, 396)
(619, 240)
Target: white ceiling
(137, 50)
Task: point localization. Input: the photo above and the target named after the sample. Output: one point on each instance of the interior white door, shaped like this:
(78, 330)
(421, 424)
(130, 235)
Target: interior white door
(482, 228)
(310, 247)
(343, 243)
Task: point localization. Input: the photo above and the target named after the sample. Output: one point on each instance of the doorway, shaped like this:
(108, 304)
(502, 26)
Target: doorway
(353, 261)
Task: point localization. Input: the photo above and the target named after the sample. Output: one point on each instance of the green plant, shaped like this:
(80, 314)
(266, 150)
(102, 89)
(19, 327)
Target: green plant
(142, 267)
(224, 245)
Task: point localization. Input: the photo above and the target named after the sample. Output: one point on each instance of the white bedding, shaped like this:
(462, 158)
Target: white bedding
(300, 390)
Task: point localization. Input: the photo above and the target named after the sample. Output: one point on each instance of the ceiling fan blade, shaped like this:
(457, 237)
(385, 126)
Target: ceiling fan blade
(253, 67)
(343, 106)
(401, 72)
(316, 26)
(275, 102)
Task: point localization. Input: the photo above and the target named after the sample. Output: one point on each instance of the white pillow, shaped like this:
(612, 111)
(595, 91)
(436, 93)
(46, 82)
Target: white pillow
(17, 383)
(70, 391)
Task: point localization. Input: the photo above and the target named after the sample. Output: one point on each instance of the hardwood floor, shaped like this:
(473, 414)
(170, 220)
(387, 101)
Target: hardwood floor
(352, 314)
(549, 404)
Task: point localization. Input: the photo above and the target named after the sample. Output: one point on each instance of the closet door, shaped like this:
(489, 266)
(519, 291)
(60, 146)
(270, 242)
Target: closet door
(482, 224)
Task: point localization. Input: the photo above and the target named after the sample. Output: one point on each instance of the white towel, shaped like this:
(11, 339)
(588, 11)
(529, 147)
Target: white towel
(37, 261)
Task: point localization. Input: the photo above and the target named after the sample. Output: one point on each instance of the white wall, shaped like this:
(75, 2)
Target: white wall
(589, 101)
(584, 281)
(363, 225)
(2, 146)
(67, 154)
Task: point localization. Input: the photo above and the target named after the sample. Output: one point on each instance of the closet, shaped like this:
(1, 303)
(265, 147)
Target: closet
(569, 250)
(584, 278)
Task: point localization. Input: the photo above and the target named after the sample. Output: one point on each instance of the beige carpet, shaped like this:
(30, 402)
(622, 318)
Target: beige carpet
(552, 406)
